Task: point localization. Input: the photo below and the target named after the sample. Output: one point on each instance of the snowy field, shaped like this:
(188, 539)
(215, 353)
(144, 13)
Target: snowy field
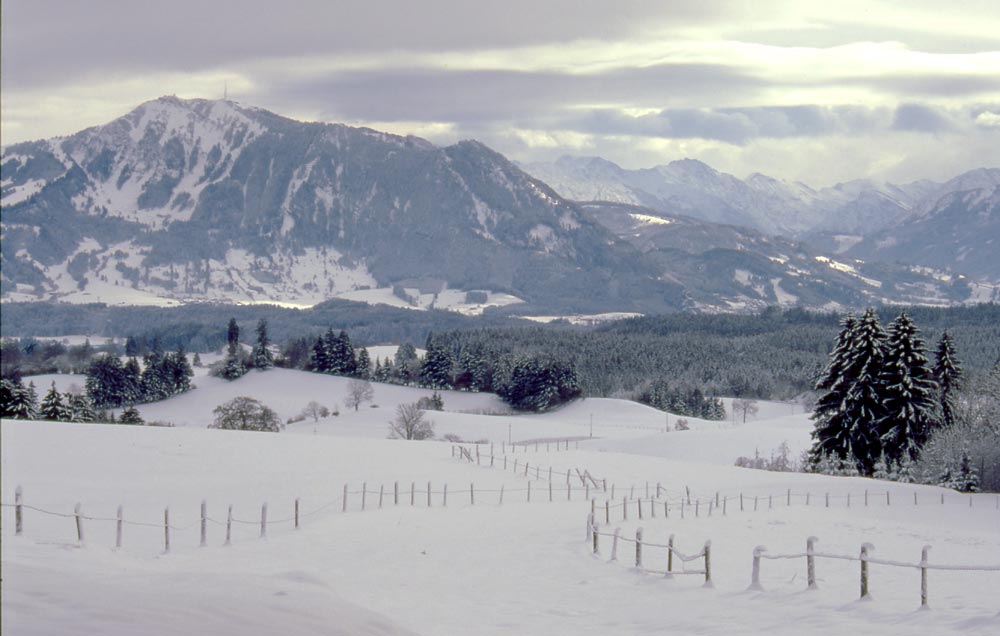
(463, 568)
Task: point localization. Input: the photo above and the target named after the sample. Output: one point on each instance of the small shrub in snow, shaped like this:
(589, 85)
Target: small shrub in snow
(681, 424)
(451, 437)
(160, 423)
(779, 461)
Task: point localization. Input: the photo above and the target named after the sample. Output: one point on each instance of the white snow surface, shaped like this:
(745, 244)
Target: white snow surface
(464, 568)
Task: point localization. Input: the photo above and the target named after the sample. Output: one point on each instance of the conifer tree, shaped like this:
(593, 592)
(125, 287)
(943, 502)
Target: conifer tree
(81, 408)
(52, 406)
(364, 365)
(131, 416)
(262, 357)
(948, 374)
(908, 392)
(319, 361)
(435, 371)
(831, 432)
(864, 399)
(234, 367)
(23, 402)
(178, 370)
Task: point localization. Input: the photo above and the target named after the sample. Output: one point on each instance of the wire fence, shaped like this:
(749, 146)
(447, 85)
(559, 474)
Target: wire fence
(864, 558)
(687, 502)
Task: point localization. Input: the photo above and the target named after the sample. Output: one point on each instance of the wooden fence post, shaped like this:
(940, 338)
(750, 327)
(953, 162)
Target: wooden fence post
(550, 490)
(526, 466)
(79, 523)
(923, 577)
(807, 498)
(515, 466)
(472, 494)
(204, 524)
(914, 498)
(670, 552)
(724, 500)
(755, 503)
(755, 572)
(827, 500)
(624, 508)
(666, 509)
(381, 495)
(569, 492)
(696, 505)
(639, 506)
(607, 512)
(647, 490)
(364, 495)
(614, 544)
(297, 510)
(789, 500)
(596, 535)
(18, 514)
(770, 501)
(866, 497)
(708, 564)
(716, 498)
(229, 526)
(604, 483)
(166, 529)
(501, 494)
(428, 494)
(413, 493)
(848, 499)
(658, 489)
(263, 520)
(505, 462)
(652, 509)
(529, 492)
(612, 490)
(638, 548)
(395, 493)
(118, 529)
(445, 500)
(741, 502)
(887, 502)
(865, 547)
(811, 562)
(343, 507)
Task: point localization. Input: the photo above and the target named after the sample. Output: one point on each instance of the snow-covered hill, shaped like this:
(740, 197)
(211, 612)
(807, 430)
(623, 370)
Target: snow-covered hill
(474, 565)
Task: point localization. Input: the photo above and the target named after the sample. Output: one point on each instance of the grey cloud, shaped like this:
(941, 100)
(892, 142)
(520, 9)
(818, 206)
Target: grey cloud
(50, 41)
(462, 96)
(928, 84)
(920, 118)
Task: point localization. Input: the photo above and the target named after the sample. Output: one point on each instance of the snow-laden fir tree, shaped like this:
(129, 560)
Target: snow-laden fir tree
(131, 416)
(23, 402)
(948, 374)
(261, 357)
(81, 409)
(909, 393)
(435, 371)
(864, 403)
(319, 361)
(364, 365)
(52, 407)
(178, 371)
(831, 431)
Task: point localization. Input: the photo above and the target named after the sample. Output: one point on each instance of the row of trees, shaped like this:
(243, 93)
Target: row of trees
(111, 383)
(660, 394)
(21, 402)
(881, 399)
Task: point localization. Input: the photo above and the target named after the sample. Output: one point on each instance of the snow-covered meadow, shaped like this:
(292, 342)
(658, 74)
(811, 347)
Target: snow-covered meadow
(464, 568)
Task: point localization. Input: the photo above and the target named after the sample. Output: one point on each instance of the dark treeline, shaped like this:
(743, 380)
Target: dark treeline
(196, 327)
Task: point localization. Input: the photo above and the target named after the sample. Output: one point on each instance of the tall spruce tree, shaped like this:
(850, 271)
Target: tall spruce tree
(864, 404)
(364, 366)
(948, 374)
(23, 404)
(261, 356)
(909, 392)
(435, 371)
(831, 432)
(234, 367)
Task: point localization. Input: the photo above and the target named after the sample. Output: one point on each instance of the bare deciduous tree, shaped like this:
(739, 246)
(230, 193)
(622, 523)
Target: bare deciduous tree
(745, 406)
(358, 392)
(315, 410)
(410, 424)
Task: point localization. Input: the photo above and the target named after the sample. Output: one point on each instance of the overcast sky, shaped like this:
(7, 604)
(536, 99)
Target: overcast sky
(819, 91)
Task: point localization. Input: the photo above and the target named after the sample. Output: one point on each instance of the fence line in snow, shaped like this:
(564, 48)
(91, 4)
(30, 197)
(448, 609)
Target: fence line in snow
(760, 552)
(697, 504)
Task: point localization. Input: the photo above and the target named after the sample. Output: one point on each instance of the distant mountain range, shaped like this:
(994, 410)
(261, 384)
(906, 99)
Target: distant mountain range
(953, 225)
(197, 200)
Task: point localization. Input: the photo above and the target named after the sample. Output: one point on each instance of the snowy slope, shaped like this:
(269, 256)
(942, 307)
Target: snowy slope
(480, 568)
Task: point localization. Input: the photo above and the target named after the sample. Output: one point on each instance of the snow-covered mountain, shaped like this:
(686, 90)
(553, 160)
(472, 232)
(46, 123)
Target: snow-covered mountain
(835, 217)
(197, 200)
(211, 200)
